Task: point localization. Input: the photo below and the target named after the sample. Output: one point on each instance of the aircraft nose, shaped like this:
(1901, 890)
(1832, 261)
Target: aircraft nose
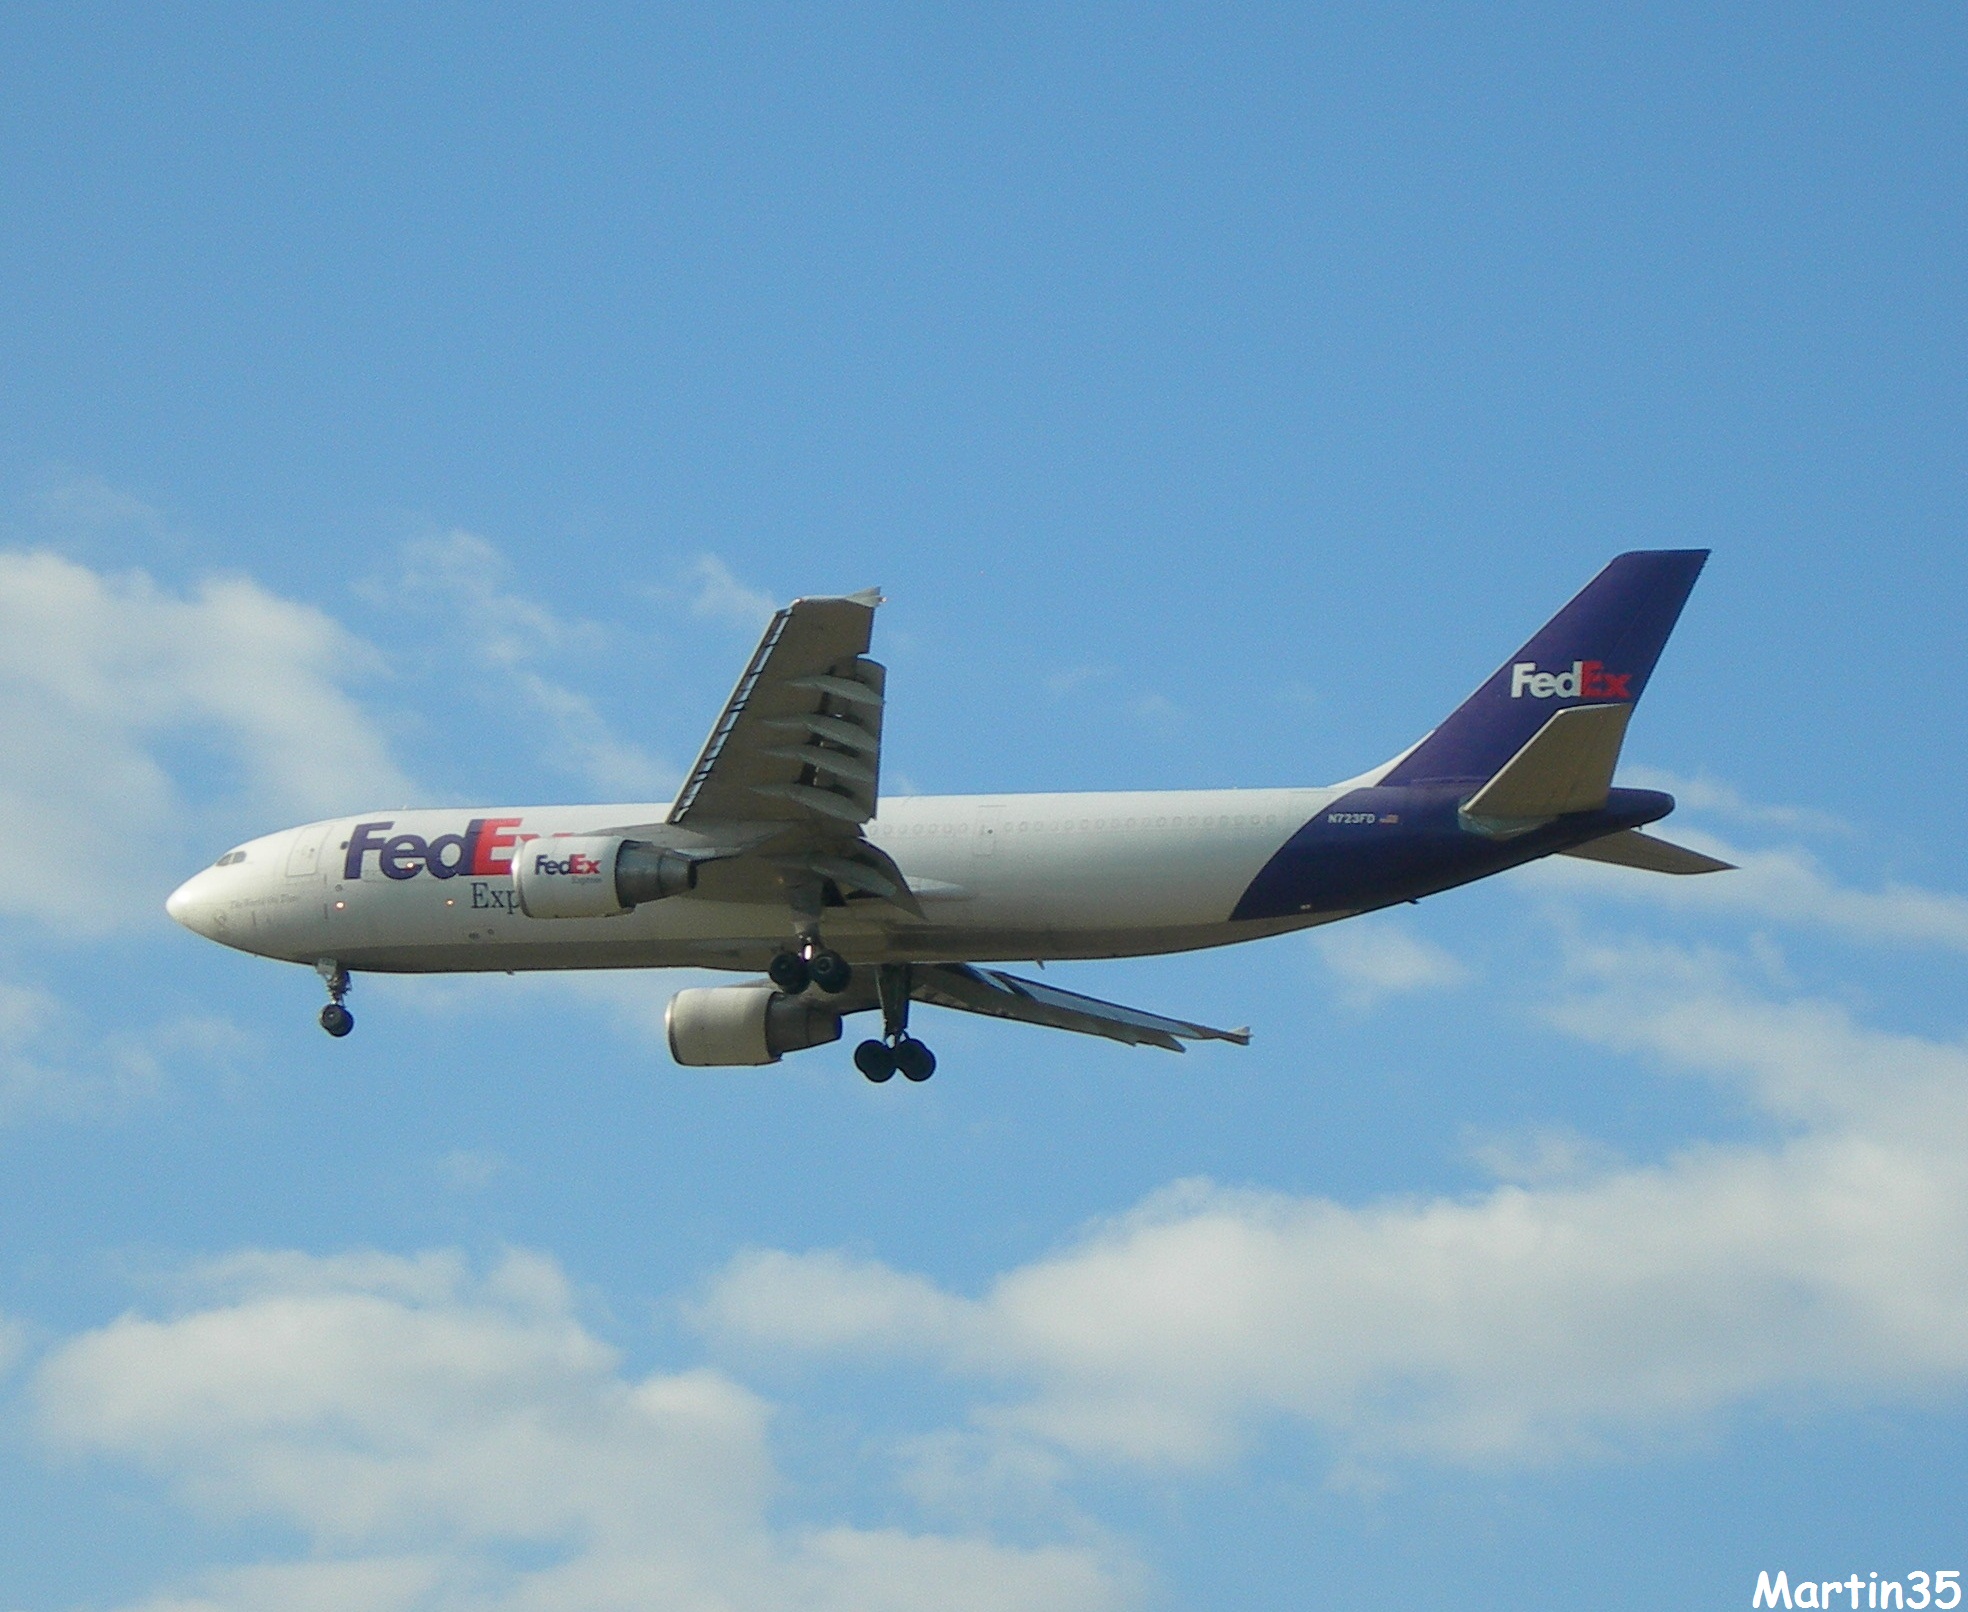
(190, 905)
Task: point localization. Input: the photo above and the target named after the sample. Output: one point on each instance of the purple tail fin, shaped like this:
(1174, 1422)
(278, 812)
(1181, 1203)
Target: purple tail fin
(1599, 650)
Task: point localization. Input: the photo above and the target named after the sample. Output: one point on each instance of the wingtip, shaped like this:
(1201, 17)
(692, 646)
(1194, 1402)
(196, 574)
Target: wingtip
(867, 599)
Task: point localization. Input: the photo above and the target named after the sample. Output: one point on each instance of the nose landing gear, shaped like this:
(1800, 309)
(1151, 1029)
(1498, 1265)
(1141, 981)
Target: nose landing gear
(335, 1018)
(897, 1052)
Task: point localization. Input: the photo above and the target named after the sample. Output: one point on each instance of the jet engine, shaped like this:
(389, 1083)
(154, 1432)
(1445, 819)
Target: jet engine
(595, 875)
(726, 1025)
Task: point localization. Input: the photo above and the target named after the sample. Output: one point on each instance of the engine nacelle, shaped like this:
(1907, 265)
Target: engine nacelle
(725, 1025)
(595, 875)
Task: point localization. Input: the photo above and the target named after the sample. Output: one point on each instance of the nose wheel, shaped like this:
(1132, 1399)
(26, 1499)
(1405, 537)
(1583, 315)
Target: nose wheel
(335, 1018)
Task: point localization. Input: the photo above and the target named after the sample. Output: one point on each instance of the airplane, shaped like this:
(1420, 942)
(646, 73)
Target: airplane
(780, 854)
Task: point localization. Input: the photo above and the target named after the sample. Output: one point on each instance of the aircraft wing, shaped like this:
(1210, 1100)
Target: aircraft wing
(799, 741)
(1006, 996)
(793, 765)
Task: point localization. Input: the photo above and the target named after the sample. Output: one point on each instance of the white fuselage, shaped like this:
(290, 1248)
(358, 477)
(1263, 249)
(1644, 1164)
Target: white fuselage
(999, 878)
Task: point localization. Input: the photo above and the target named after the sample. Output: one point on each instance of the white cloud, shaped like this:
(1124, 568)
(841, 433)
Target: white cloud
(100, 674)
(1604, 1306)
(975, 1480)
(1784, 885)
(89, 501)
(585, 745)
(442, 1440)
(1075, 678)
(52, 1063)
(1371, 959)
(1724, 800)
(471, 577)
(846, 1303)
(374, 1584)
(13, 1344)
(467, 1169)
(1542, 1155)
(720, 596)
(466, 578)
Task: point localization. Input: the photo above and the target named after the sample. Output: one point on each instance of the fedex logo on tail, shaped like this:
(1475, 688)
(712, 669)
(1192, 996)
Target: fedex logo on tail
(1587, 680)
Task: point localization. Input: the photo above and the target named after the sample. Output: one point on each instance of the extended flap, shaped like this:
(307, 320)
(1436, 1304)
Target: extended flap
(1006, 996)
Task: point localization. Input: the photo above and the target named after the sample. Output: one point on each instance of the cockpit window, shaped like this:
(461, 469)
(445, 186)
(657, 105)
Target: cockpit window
(229, 858)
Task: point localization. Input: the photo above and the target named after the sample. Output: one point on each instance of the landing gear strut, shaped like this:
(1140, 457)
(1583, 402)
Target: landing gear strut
(335, 1019)
(897, 1051)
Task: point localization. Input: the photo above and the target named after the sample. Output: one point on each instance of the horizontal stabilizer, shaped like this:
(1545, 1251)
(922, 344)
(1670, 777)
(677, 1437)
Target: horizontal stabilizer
(1566, 766)
(1006, 996)
(1631, 849)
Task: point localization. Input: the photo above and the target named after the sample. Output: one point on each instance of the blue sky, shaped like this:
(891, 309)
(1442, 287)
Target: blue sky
(427, 407)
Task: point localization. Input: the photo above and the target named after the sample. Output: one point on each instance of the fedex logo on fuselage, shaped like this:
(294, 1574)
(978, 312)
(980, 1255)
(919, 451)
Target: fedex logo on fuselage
(1587, 680)
(484, 850)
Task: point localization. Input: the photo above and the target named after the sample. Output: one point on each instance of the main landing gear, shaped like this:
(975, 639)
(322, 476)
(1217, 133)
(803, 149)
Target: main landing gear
(905, 1055)
(335, 1018)
(897, 1052)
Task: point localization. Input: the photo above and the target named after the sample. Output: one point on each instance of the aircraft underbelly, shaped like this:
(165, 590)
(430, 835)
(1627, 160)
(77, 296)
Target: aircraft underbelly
(750, 954)
(692, 933)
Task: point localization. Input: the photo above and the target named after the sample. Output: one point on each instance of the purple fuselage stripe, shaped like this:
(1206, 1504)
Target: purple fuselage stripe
(1375, 847)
